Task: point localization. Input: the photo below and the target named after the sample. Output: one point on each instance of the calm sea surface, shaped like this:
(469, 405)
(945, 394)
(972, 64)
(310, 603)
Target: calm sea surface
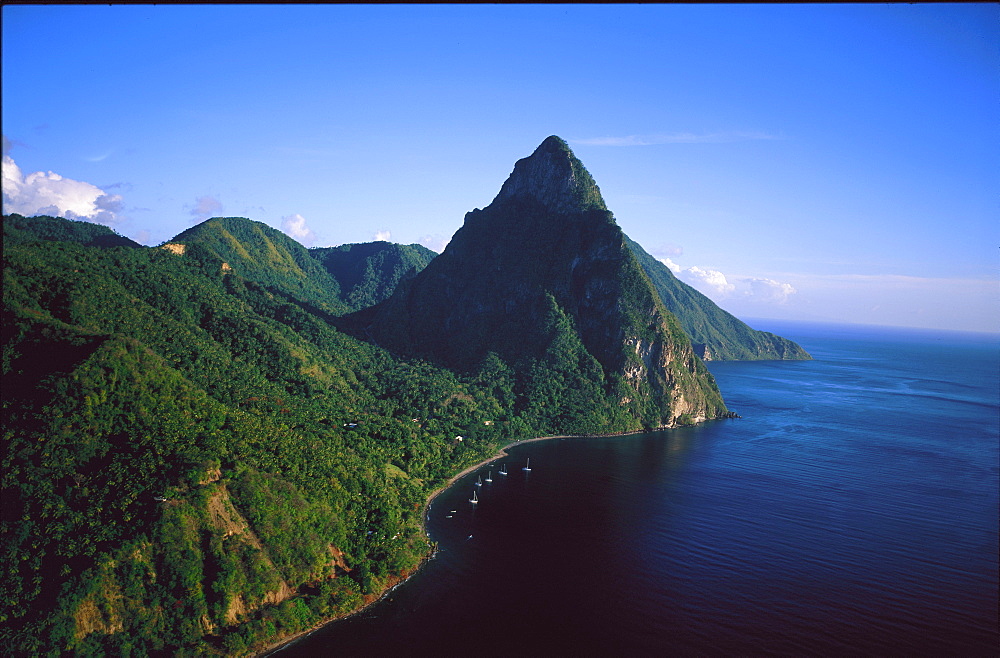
(853, 510)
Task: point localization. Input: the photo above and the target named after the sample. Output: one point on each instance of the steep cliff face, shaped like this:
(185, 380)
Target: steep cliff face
(544, 275)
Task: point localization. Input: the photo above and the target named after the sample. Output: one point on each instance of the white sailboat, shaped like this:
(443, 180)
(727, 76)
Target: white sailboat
(474, 499)
(503, 470)
(479, 482)
(489, 476)
(527, 466)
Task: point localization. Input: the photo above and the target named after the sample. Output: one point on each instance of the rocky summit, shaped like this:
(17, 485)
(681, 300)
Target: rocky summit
(543, 282)
(553, 177)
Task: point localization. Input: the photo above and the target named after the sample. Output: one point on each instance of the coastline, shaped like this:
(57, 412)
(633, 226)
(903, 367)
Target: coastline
(282, 643)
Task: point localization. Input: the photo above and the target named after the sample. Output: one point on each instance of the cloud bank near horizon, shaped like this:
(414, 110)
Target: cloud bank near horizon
(718, 286)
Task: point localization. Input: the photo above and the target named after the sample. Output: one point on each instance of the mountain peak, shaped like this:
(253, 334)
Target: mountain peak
(553, 177)
(541, 280)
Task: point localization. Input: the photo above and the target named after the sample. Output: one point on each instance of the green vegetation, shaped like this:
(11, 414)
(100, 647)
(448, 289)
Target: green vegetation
(195, 459)
(264, 255)
(368, 273)
(18, 229)
(192, 459)
(548, 287)
(717, 334)
(202, 452)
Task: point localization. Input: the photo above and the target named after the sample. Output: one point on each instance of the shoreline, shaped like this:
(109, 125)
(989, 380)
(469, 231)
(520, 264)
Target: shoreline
(285, 642)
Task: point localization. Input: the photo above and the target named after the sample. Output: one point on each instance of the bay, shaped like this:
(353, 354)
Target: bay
(853, 509)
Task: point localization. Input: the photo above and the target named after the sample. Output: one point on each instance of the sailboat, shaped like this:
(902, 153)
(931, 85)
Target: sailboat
(503, 470)
(489, 476)
(479, 482)
(527, 467)
(474, 499)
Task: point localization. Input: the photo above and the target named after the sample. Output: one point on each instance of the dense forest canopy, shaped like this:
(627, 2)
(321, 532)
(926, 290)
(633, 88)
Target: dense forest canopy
(369, 272)
(197, 459)
(227, 438)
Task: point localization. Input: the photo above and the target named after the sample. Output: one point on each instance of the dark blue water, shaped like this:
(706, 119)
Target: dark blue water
(853, 510)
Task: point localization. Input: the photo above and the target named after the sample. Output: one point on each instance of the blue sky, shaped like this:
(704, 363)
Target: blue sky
(814, 162)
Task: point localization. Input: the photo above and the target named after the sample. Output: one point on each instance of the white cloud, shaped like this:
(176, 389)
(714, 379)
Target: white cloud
(718, 286)
(714, 280)
(382, 235)
(971, 304)
(48, 193)
(674, 267)
(205, 207)
(675, 138)
(768, 290)
(294, 226)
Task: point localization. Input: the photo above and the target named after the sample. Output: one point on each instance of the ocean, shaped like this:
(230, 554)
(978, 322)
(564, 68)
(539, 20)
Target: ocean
(852, 510)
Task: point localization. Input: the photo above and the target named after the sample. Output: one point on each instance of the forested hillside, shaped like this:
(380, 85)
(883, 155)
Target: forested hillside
(369, 272)
(259, 253)
(193, 459)
(204, 449)
(42, 227)
(541, 283)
